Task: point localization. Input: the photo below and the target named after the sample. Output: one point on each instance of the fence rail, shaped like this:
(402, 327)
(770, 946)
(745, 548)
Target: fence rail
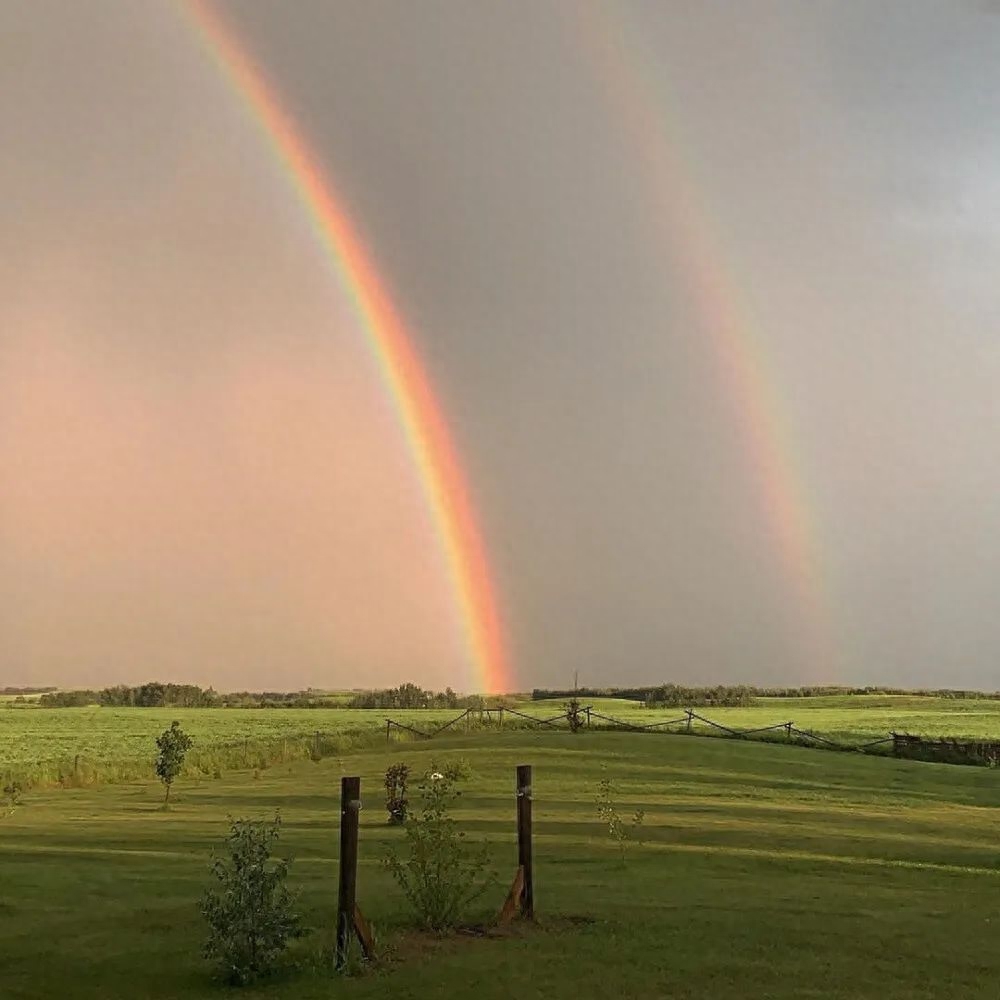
(584, 717)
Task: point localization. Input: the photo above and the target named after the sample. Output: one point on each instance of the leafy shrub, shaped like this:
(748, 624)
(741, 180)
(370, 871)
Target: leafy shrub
(573, 715)
(442, 874)
(250, 916)
(396, 803)
(11, 798)
(172, 746)
(618, 829)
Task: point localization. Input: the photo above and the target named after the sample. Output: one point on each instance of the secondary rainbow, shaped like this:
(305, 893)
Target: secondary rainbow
(420, 416)
(615, 50)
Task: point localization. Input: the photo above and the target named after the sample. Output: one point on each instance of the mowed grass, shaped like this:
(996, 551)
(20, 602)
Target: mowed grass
(766, 871)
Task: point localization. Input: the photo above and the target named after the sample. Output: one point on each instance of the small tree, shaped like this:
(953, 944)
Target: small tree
(250, 918)
(607, 809)
(396, 802)
(442, 875)
(574, 714)
(172, 746)
(11, 798)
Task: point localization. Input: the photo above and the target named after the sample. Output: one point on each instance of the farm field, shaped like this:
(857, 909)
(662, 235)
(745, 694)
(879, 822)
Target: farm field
(115, 744)
(852, 718)
(764, 871)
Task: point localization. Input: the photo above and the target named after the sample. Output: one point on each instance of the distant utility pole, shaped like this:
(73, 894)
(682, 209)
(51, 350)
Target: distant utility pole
(576, 681)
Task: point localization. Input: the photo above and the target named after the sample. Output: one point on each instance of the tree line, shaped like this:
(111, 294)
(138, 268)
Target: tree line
(679, 695)
(157, 694)
(413, 696)
(660, 696)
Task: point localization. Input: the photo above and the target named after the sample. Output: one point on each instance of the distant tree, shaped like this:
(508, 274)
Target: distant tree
(172, 746)
(150, 695)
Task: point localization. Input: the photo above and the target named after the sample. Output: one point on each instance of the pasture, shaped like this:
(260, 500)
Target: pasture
(764, 871)
(96, 745)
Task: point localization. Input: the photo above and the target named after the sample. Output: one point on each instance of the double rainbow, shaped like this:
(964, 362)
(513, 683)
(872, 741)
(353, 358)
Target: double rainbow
(427, 435)
(615, 49)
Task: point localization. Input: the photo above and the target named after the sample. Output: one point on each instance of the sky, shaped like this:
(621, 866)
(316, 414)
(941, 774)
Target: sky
(707, 294)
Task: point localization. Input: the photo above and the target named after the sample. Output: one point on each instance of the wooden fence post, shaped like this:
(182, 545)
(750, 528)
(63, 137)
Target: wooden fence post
(689, 714)
(350, 806)
(524, 839)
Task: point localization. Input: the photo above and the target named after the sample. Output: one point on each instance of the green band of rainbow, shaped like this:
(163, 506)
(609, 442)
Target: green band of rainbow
(419, 412)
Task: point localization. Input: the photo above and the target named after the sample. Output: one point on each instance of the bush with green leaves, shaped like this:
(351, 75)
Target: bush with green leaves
(574, 715)
(396, 803)
(441, 874)
(250, 915)
(11, 798)
(172, 746)
(618, 829)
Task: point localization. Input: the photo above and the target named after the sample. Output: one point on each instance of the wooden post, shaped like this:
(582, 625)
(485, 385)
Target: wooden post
(387, 726)
(689, 714)
(788, 731)
(501, 716)
(350, 806)
(524, 839)
(588, 717)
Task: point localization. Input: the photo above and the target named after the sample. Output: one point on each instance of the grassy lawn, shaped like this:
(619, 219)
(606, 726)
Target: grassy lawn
(765, 871)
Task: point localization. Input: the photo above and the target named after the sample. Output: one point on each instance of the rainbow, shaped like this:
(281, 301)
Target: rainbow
(614, 48)
(428, 438)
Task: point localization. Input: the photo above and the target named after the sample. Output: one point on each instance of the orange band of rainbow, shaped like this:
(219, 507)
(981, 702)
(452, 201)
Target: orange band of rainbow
(419, 412)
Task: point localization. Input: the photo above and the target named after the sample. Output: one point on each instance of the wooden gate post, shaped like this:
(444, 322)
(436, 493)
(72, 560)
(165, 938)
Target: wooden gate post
(524, 838)
(350, 805)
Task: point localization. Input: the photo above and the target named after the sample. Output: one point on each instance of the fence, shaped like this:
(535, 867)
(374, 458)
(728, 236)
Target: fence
(950, 751)
(985, 753)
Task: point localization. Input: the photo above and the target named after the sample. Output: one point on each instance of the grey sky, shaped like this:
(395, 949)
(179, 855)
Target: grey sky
(200, 473)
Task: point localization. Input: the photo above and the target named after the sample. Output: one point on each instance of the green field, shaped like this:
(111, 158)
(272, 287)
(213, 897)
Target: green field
(765, 871)
(91, 745)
